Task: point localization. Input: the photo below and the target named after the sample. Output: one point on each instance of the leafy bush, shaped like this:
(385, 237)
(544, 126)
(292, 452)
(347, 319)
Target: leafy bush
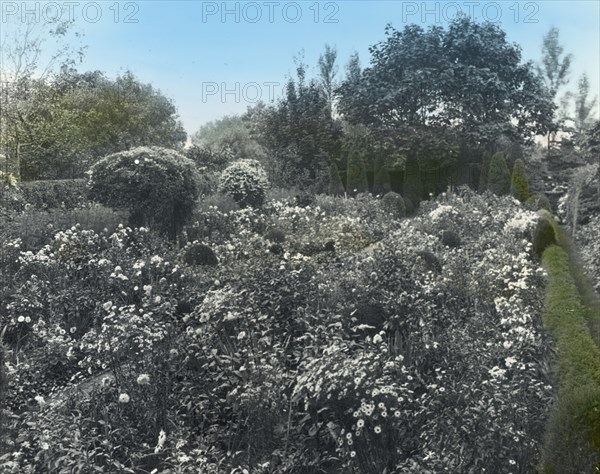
(499, 176)
(158, 186)
(519, 186)
(65, 194)
(450, 239)
(394, 204)
(246, 181)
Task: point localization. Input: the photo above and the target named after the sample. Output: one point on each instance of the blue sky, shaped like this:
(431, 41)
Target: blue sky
(216, 58)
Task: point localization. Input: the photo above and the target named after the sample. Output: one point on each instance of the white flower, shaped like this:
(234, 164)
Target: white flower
(107, 305)
(40, 400)
(124, 398)
(377, 339)
(143, 379)
(21, 319)
(241, 335)
(162, 437)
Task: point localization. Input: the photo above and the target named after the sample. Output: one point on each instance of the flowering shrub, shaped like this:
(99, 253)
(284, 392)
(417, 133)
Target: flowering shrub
(246, 181)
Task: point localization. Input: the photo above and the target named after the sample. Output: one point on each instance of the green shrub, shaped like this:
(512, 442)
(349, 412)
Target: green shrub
(65, 193)
(196, 253)
(572, 442)
(245, 181)
(450, 239)
(519, 186)
(538, 202)
(543, 236)
(499, 176)
(158, 186)
(394, 203)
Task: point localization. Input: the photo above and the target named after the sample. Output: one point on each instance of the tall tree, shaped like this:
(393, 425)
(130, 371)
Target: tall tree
(30, 52)
(77, 118)
(327, 72)
(583, 109)
(299, 133)
(555, 64)
(467, 78)
(554, 71)
(433, 92)
(230, 135)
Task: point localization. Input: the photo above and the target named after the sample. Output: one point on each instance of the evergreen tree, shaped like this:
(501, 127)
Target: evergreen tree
(485, 169)
(519, 185)
(336, 187)
(381, 181)
(413, 185)
(499, 175)
(356, 174)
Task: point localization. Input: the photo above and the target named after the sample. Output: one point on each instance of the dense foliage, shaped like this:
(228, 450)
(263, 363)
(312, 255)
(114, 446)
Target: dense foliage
(156, 185)
(340, 352)
(245, 181)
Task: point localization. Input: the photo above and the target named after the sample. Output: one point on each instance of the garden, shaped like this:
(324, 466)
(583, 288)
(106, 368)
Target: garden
(338, 282)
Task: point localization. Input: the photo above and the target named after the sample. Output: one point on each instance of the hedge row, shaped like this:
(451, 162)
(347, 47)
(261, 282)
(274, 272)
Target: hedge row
(589, 297)
(572, 442)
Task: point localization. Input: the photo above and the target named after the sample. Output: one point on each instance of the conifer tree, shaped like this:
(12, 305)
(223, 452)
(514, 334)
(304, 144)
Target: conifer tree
(499, 175)
(519, 186)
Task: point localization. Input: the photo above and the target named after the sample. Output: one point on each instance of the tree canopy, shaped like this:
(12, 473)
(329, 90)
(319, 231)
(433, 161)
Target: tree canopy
(466, 79)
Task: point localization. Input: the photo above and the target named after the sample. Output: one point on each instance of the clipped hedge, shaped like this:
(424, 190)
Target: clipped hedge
(544, 234)
(572, 441)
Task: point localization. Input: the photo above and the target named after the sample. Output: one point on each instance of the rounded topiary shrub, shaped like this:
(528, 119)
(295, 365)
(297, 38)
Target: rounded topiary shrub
(450, 239)
(245, 181)
(394, 203)
(158, 186)
(543, 236)
(196, 253)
